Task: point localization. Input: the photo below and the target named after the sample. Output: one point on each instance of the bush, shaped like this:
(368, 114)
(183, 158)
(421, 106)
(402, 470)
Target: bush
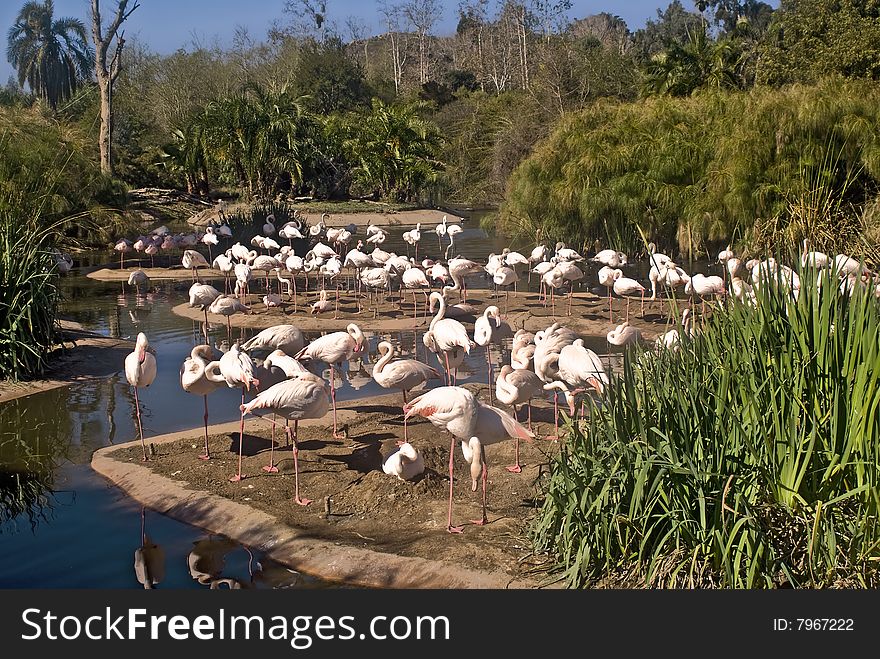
(697, 172)
(748, 458)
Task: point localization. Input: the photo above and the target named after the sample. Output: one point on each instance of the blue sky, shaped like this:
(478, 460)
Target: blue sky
(170, 24)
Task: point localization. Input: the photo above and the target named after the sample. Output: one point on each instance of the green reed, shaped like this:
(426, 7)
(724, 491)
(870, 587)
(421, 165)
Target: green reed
(748, 458)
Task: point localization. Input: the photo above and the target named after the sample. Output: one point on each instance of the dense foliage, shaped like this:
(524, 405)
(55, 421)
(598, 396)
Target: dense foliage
(769, 167)
(750, 457)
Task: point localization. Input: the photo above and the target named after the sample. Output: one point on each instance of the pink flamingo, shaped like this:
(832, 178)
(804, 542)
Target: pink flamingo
(237, 369)
(514, 387)
(403, 374)
(304, 397)
(624, 286)
(445, 335)
(334, 349)
(200, 375)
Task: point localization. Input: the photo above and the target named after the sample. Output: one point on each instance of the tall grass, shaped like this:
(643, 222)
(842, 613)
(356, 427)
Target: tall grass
(773, 165)
(749, 458)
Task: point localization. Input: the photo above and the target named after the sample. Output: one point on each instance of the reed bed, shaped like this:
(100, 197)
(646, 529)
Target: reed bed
(748, 458)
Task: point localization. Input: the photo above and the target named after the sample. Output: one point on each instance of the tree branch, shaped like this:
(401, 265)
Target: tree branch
(121, 16)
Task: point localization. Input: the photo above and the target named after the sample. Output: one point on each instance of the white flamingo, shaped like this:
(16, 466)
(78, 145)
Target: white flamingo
(625, 286)
(406, 462)
(140, 371)
(445, 335)
(200, 375)
(334, 349)
(193, 260)
(402, 374)
(237, 370)
(304, 397)
(515, 387)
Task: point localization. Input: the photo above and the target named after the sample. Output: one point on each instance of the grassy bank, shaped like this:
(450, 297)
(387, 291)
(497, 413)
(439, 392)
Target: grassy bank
(748, 458)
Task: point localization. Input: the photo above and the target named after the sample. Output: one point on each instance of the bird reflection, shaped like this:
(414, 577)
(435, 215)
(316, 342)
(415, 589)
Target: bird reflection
(149, 559)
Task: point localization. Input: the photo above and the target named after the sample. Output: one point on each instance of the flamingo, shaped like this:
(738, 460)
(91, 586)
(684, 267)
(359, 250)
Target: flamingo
(269, 225)
(570, 273)
(522, 349)
(224, 264)
(200, 375)
(624, 286)
(272, 300)
(137, 279)
(624, 335)
(203, 295)
(287, 338)
(671, 340)
(505, 276)
(453, 409)
(702, 285)
(304, 397)
(210, 238)
(140, 371)
(548, 345)
(242, 278)
(813, 259)
(123, 247)
(333, 349)
(445, 335)
(440, 230)
(484, 335)
(237, 370)
(403, 374)
(151, 250)
(323, 304)
(193, 260)
(564, 253)
(415, 279)
(458, 411)
(552, 279)
(514, 387)
(406, 462)
(227, 305)
(610, 257)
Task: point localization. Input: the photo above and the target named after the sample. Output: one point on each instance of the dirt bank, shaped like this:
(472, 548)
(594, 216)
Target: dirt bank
(82, 357)
(181, 273)
(379, 217)
(357, 507)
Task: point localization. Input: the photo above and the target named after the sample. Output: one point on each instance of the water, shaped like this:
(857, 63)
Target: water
(62, 525)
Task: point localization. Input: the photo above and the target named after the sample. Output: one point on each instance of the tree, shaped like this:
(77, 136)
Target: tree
(392, 15)
(332, 80)
(107, 71)
(396, 150)
(728, 14)
(422, 15)
(808, 39)
(698, 63)
(672, 24)
(52, 56)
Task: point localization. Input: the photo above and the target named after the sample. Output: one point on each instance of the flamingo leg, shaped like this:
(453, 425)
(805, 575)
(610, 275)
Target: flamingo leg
(207, 454)
(239, 476)
(336, 434)
(449, 527)
(489, 371)
(205, 309)
(555, 417)
(448, 374)
(296, 497)
(271, 468)
(336, 311)
(137, 409)
(609, 306)
(516, 467)
(485, 479)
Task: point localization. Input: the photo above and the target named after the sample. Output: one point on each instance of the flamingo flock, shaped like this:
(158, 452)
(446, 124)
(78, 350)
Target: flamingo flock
(275, 366)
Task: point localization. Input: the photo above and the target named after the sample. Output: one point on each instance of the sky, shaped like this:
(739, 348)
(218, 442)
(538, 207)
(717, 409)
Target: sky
(167, 25)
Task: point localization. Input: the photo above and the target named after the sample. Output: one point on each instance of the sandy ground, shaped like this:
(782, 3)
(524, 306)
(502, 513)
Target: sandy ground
(589, 313)
(380, 217)
(355, 503)
(84, 356)
(181, 273)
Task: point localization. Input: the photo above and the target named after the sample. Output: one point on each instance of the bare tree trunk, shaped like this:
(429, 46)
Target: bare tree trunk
(107, 72)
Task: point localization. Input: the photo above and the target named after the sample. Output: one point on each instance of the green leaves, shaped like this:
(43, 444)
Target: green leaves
(749, 455)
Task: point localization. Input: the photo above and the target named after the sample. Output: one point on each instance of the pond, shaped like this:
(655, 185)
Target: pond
(63, 526)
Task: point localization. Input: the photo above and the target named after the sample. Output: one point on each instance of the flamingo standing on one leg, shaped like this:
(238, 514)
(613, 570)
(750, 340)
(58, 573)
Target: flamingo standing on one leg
(445, 335)
(140, 371)
(334, 349)
(237, 369)
(304, 397)
(514, 387)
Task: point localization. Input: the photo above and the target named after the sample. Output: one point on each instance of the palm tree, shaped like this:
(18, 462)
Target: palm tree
(53, 56)
(396, 150)
(698, 63)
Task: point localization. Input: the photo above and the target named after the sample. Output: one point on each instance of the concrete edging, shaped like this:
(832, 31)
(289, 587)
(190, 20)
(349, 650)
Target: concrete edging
(329, 561)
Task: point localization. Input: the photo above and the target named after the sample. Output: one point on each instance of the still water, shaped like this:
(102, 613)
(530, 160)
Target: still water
(63, 526)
